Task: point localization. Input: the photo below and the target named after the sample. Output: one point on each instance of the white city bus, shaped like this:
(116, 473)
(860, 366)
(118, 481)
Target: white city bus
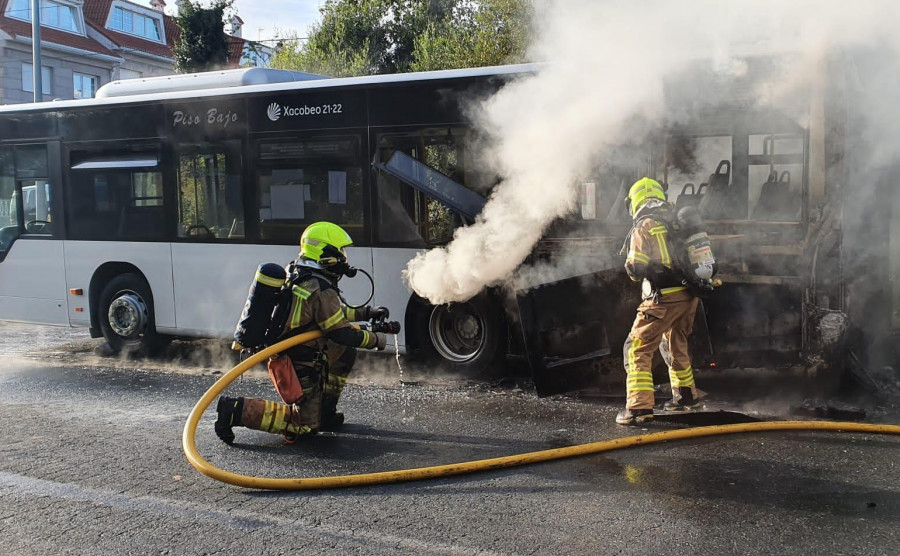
(166, 197)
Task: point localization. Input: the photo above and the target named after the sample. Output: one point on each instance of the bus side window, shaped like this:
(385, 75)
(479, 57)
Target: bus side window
(210, 193)
(414, 219)
(301, 182)
(115, 195)
(395, 218)
(25, 193)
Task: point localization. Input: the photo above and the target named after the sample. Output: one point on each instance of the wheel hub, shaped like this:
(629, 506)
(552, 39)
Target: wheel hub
(457, 332)
(468, 327)
(128, 315)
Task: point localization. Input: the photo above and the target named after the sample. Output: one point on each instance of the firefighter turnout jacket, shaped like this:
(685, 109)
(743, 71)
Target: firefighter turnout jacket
(315, 304)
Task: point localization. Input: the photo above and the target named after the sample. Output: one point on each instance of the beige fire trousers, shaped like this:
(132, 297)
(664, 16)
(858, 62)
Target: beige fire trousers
(668, 321)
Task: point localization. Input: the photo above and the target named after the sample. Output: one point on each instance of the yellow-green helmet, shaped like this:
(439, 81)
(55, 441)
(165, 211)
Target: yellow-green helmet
(643, 190)
(324, 243)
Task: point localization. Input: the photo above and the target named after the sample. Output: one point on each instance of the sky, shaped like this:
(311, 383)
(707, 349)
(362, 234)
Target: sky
(266, 19)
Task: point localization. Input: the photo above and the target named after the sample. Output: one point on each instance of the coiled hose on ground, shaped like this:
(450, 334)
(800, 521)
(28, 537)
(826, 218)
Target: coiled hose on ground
(312, 483)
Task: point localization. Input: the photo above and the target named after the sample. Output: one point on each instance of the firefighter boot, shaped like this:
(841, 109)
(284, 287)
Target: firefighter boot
(634, 416)
(683, 400)
(229, 410)
(331, 421)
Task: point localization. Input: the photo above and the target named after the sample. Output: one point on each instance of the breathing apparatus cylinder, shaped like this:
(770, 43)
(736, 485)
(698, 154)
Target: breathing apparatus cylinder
(261, 300)
(701, 263)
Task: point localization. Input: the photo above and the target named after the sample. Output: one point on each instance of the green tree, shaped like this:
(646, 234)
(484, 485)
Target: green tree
(486, 33)
(202, 44)
(363, 37)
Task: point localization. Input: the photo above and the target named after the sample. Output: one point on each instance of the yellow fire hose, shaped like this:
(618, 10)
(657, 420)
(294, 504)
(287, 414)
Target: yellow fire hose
(190, 448)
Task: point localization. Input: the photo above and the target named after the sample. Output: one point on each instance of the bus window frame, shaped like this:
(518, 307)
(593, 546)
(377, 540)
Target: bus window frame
(53, 177)
(97, 150)
(229, 145)
(361, 238)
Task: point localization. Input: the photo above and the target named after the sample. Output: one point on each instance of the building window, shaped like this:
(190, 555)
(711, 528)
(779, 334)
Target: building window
(135, 23)
(53, 14)
(85, 85)
(28, 79)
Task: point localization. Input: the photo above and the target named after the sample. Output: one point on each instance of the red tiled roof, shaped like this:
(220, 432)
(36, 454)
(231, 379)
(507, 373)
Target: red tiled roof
(235, 50)
(17, 27)
(96, 13)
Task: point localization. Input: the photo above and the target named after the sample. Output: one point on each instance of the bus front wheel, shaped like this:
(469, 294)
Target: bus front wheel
(465, 337)
(126, 315)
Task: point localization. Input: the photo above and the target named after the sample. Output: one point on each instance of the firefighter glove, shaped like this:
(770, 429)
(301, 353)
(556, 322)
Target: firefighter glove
(380, 341)
(378, 313)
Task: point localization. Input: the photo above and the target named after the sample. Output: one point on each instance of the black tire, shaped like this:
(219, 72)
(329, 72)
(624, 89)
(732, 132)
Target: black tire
(125, 314)
(467, 338)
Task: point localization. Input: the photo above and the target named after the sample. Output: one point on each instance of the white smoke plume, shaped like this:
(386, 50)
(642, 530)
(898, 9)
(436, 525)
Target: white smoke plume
(606, 63)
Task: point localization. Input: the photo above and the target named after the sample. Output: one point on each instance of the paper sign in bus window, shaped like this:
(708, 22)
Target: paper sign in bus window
(288, 202)
(337, 187)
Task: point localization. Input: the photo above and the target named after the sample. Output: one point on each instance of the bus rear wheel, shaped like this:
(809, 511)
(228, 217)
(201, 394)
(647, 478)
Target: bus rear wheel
(126, 315)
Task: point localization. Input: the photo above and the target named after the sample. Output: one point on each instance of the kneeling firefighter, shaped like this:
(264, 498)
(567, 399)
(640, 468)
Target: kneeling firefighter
(671, 255)
(285, 302)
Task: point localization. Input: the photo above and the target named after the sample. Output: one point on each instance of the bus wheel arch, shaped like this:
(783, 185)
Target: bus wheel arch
(122, 309)
(466, 337)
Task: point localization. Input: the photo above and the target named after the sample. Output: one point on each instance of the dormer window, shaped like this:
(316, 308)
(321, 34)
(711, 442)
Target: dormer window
(135, 23)
(59, 15)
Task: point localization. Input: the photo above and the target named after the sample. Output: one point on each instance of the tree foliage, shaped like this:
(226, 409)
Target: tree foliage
(202, 44)
(362, 37)
(487, 33)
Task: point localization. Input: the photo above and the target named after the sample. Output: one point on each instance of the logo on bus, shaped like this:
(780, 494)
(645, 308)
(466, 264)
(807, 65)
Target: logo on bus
(274, 111)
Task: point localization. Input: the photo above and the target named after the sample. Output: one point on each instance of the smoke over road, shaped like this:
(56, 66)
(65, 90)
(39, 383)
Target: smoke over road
(607, 62)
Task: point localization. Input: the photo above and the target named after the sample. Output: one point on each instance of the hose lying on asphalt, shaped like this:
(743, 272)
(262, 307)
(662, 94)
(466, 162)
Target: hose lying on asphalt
(190, 447)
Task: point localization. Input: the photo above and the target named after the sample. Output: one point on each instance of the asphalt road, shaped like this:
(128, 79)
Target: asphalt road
(91, 463)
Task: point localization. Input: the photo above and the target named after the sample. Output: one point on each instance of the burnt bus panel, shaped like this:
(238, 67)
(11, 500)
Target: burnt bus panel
(568, 325)
(755, 324)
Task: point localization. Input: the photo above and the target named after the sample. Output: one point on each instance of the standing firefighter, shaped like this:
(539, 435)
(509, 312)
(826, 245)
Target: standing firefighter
(309, 377)
(665, 317)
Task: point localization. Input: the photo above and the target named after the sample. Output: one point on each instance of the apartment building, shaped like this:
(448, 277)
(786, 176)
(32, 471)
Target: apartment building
(88, 43)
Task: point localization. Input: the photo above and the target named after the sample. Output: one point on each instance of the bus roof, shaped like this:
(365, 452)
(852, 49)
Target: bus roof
(274, 87)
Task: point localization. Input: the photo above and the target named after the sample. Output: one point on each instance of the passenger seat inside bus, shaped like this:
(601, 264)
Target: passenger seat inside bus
(718, 201)
(778, 201)
(691, 199)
